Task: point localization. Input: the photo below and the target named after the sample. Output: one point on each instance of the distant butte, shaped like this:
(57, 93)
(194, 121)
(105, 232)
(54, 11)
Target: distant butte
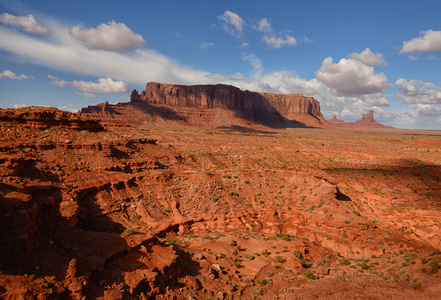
(210, 106)
(367, 121)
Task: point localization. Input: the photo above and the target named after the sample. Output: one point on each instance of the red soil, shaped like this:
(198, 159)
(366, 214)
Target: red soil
(233, 212)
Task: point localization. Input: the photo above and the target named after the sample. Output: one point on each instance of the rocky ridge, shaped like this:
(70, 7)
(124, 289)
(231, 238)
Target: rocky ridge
(46, 117)
(367, 121)
(212, 106)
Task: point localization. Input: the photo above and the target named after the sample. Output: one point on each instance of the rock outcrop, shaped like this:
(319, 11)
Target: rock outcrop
(45, 117)
(367, 121)
(212, 106)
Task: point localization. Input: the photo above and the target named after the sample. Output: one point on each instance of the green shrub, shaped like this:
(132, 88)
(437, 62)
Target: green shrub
(344, 262)
(249, 256)
(280, 259)
(310, 275)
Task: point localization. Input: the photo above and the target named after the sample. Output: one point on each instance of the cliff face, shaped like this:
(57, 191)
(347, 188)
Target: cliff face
(251, 105)
(197, 96)
(289, 105)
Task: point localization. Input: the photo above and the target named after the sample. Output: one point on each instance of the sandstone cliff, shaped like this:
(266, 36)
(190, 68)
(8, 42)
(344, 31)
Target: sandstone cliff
(212, 106)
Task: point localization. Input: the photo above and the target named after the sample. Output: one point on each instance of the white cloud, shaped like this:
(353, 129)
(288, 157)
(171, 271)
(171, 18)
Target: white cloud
(68, 108)
(20, 105)
(425, 110)
(233, 24)
(67, 53)
(255, 62)
(351, 77)
(11, 75)
(429, 41)
(104, 85)
(431, 57)
(417, 92)
(306, 40)
(413, 57)
(27, 23)
(111, 36)
(368, 58)
(86, 95)
(264, 26)
(205, 45)
(244, 45)
(276, 41)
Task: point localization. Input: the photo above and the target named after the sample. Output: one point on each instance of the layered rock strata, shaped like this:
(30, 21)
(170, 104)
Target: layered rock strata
(46, 117)
(212, 105)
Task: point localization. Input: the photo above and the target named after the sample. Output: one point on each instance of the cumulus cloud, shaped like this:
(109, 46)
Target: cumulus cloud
(277, 41)
(104, 85)
(205, 45)
(368, 58)
(263, 26)
(111, 36)
(425, 110)
(86, 95)
(27, 23)
(417, 92)
(350, 77)
(232, 23)
(11, 75)
(429, 40)
(63, 51)
(20, 105)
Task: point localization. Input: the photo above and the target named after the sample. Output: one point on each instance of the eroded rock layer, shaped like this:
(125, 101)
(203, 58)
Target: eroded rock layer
(45, 117)
(130, 213)
(212, 106)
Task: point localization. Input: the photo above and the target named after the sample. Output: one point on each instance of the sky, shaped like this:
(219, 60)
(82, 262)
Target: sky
(352, 56)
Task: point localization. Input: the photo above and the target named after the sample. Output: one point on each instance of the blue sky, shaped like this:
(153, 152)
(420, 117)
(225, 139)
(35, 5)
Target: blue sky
(353, 56)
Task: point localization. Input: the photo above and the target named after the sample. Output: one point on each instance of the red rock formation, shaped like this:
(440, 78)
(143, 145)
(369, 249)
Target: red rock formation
(203, 105)
(197, 96)
(367, 121)
(45, 117)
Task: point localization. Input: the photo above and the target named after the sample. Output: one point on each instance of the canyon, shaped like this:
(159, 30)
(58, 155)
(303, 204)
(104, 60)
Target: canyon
(210, 192)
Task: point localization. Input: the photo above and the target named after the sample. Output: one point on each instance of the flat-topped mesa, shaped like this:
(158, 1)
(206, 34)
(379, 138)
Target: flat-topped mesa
(291, 105)
(227, 97)
(194, 96)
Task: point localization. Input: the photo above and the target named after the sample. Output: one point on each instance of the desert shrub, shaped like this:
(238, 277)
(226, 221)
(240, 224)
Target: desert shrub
(310, 275)
(434, 266)
(206, 237)
(280, 259)
(249, 256)
(129, 231)
(344, 262)
(249, 282)
(264, 281)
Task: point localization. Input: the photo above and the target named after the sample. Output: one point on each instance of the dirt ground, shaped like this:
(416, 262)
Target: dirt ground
(231, 213)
